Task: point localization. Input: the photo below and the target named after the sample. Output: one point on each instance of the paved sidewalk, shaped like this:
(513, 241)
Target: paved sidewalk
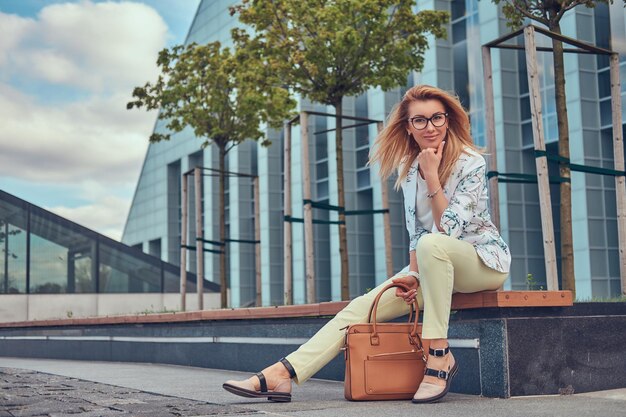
(42, 387)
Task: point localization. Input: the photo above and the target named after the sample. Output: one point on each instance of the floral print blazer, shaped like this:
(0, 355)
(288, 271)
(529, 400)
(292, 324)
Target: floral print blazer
(467, 215)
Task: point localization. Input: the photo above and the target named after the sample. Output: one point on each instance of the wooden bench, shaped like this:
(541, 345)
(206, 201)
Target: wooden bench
(484, 299)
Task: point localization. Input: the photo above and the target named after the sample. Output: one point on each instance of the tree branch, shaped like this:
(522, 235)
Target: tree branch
(527, 14)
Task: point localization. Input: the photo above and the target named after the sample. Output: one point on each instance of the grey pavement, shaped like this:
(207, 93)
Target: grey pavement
(44, 387)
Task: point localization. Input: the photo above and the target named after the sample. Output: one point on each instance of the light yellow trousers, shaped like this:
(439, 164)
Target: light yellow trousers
(446, 265)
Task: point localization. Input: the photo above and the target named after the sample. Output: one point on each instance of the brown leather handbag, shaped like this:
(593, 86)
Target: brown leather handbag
(384, 361)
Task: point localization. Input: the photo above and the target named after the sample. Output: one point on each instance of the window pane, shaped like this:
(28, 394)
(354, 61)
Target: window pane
(363, 178)
(527, 134)
(13, 249)
(362, 136)
(171, 281)
(362, 156)
(120, 272)
(457, 9)
(322, 170)
(459, 33)
(525, 108)
(61, 259)
(604, 84)
(322, 189)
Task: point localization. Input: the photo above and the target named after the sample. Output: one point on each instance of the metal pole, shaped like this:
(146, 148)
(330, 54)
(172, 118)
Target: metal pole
(183, 246)
(287, 249)
(257, 245)
(543, 181)
(386, 219)
(494, 201)
(308, 210)
(197, 173)
(618, 152)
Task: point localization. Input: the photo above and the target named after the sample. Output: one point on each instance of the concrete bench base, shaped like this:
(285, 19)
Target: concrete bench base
(502, 351)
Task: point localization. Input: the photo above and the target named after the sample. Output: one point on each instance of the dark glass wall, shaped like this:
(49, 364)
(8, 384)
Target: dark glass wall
(45, 253)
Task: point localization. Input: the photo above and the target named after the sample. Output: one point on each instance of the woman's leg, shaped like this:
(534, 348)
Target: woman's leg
(327, 342)
(446, 265)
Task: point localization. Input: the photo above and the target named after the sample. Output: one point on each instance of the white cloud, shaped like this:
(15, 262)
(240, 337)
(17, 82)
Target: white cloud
(105, 215)
(84, 58)
(93, 46)
(12, 29)
(96, 139)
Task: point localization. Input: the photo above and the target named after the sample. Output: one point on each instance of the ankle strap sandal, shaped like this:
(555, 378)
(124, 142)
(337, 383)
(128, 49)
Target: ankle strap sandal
(437, 372)
(439, 352)
(292, 372)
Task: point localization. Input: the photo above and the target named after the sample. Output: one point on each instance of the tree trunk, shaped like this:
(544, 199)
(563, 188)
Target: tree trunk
(567, 247)
(341, 202)
(222, 220)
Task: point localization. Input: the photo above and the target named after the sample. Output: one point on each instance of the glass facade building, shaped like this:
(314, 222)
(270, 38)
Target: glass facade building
(453, 64)
(42, 253)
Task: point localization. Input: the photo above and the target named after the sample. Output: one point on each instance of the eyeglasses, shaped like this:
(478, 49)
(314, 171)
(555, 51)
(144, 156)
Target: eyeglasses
(437, 120)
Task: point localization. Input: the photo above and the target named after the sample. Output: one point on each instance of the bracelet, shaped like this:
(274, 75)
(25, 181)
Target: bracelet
(415, 275)
(431, 195)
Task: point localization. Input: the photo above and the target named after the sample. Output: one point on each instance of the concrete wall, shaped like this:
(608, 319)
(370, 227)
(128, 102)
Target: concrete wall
(22, 307)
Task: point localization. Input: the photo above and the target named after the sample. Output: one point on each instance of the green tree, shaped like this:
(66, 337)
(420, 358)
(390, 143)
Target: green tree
(549, 13)
(327, 50)
(224, 96)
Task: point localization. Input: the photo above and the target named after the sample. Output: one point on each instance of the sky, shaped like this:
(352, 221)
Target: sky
(67, 70)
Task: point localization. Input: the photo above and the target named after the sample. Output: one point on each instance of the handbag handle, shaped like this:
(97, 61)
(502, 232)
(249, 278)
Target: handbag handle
(374, 307)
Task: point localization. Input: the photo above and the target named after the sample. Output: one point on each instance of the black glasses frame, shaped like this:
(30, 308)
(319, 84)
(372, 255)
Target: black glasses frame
(428, 119)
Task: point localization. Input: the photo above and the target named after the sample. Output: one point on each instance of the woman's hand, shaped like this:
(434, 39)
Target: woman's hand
(410, 282)
(429, 160)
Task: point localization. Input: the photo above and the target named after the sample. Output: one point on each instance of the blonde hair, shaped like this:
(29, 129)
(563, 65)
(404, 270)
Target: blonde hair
(394, 148)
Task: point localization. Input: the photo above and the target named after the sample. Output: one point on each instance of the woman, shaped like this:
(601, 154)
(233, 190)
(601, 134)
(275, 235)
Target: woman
(454, 246)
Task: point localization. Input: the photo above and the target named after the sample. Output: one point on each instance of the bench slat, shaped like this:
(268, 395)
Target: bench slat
(483, 299)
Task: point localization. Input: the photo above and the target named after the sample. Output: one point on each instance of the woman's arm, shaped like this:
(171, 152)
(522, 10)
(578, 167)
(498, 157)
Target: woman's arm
(408, 280)
(429, 161)
(438, 202)
(413, 261)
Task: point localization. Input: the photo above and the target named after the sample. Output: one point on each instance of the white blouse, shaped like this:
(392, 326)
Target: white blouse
(423, 208)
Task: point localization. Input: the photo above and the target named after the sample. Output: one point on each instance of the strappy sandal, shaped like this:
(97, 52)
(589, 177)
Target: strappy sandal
(246, 388)
(431, 392)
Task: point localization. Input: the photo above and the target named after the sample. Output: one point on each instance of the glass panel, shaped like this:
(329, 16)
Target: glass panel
(604, 84)
(61, 259)
(362, 136)
(525, 108)
(362, 155)
(598, 261)
(461, 77)
(322, 189)
(599, 288)
(13, 249)
(171, 281)
(457, 9)
(596, 233)
(363, 178)
(120, 272)
(321, 140)
(322, 170)
(606, 114)
(459, 31)
(527, 134)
